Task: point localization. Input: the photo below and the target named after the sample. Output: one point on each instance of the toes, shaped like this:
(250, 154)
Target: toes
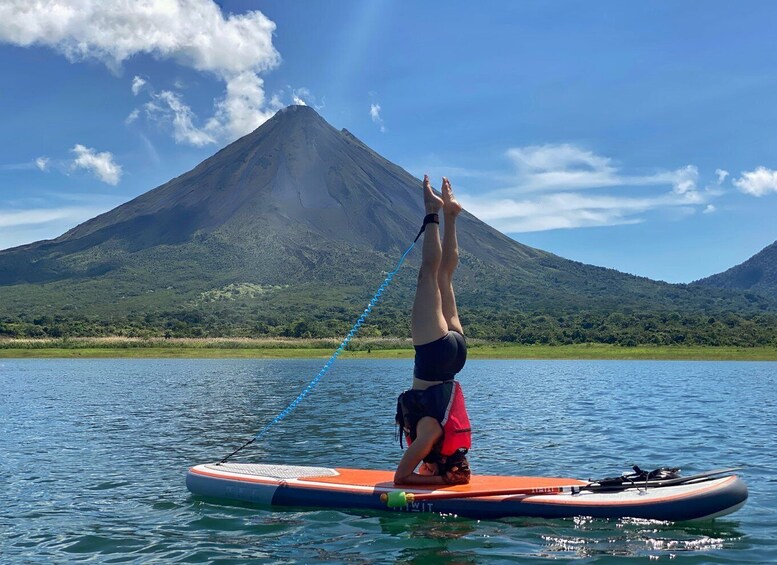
(427, 186)
(446, 187)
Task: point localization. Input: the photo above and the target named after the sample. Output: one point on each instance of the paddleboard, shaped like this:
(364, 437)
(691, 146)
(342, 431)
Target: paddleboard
(703, 496)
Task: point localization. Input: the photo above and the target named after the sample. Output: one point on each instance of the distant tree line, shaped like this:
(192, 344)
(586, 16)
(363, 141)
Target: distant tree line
(617, 328)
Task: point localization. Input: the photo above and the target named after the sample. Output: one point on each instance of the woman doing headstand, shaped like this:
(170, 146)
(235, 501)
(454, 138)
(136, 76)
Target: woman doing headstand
(432, 415)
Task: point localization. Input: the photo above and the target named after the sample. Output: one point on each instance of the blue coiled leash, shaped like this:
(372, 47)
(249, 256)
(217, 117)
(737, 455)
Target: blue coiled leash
(286, 411)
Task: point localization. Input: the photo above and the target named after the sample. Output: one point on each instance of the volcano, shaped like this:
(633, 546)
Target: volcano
(280, 202)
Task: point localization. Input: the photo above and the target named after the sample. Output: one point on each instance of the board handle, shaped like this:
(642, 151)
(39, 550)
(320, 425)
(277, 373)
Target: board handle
(397, 498)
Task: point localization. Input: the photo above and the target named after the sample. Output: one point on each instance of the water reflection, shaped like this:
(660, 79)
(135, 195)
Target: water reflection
(634, 537)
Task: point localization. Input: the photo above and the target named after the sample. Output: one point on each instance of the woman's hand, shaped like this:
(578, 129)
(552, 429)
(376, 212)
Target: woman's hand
(428, 469)
(456, 476)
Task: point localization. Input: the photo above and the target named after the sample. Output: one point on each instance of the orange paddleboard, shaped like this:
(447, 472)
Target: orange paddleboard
(486, 496)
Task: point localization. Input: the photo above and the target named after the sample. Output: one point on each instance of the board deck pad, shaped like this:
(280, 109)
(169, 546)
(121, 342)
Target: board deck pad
(273, 471)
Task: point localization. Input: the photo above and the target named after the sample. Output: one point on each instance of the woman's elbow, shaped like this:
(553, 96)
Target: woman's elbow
(400, 477)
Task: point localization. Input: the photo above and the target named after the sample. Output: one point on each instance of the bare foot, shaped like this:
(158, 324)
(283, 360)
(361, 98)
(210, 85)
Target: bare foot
(451, 206)
(432, 202)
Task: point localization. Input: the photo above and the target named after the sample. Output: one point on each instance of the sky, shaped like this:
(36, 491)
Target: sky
(635, 136)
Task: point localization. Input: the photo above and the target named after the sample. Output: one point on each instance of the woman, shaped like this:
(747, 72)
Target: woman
(432, 414)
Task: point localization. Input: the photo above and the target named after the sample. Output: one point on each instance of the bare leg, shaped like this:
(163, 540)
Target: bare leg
(450, 258)
(426, 321)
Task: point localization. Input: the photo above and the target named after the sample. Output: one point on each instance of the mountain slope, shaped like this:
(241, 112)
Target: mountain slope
(757, 274)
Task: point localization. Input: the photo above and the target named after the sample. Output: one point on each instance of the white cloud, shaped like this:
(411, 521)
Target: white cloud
(565, 166)
(683, 180)
(137, 85)
(721, 174)
(566, 210)
(298, 96)
(375, 115)
(242, 109)
(709, 209)
(565, 186)
(168, 106)
(195, 33)
(554, 211)
(758, 182)
(100, 165)
(133, 116)
(18, 227)
(37, 216)
(42, 163)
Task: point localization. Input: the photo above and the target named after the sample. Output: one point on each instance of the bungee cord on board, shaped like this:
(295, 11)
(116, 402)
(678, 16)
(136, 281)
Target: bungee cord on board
(294, 403)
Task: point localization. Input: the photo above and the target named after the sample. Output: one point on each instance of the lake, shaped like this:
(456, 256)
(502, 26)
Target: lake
(94, 453)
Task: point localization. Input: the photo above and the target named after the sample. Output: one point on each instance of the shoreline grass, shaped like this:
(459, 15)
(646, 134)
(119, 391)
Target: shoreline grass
(364, 348)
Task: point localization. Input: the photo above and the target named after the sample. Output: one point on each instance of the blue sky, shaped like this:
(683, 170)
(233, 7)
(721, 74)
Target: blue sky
(641, 137)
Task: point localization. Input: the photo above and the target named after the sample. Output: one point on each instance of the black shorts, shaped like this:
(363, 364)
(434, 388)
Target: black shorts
(441, 359)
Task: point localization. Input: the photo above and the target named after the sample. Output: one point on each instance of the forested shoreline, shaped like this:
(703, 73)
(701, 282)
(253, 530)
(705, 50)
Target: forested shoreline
(622, 329)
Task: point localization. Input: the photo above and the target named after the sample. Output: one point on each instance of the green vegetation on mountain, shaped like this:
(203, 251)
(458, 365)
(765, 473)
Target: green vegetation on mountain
(757, 274)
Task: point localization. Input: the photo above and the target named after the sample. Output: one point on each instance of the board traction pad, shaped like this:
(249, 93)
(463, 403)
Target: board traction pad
(281, 472)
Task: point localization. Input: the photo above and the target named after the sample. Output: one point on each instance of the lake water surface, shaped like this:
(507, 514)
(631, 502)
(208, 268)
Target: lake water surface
(93, 455)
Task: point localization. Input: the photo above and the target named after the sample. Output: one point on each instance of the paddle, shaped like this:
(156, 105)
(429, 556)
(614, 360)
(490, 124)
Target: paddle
(397, 498)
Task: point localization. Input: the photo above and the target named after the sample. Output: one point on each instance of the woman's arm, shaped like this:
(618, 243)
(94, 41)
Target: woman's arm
(428, 432)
